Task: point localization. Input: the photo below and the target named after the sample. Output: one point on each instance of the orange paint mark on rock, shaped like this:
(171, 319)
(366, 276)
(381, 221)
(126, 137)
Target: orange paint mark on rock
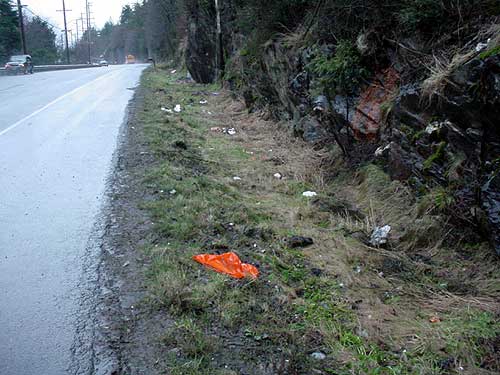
(369, 115)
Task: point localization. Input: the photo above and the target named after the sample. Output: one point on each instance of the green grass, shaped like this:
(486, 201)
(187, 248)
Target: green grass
(289, 311)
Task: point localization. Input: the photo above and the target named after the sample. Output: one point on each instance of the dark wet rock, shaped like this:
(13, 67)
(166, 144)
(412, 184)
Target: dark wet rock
(320, 104)
(344, 106)
(180, 144)
(200, 54)
(316, 272)
(258, 233)
(300, 83)
(299, 241)
(437, 131)
(409, 110)
(311, 130)
(491, 205)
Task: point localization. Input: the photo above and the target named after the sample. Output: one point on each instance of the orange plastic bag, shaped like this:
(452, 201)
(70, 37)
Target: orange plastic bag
(228, 263)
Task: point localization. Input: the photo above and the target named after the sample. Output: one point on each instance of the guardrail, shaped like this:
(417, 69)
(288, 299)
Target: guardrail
(49, 68)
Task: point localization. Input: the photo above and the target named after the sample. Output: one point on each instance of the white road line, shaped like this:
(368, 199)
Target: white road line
(52, 103)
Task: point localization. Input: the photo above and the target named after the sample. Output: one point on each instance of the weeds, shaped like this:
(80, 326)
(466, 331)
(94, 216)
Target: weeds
(366, 309)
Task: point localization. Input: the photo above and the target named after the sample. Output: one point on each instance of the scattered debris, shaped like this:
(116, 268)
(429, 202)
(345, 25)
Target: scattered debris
(318, 356)
(380, 235)
(203, 102)
(236, 178)
(173, 192)
(299, 241)
(434, 319)
(229, 264)
(126, 264)
(309, 194)
(178, 108)
(481, 46)
(215, 94)
(279, 176)
(381, 151)
(164, 109)
(173, 71)
(217, 129)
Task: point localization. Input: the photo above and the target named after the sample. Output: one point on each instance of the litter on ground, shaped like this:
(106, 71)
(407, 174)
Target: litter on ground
(229, 264)
(164, 109)
(236, 178)
(203, 102)
(177, 108)
(309, 194)
(380, 235)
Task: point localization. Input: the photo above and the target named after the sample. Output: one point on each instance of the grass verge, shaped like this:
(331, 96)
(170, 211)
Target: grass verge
(336, 307)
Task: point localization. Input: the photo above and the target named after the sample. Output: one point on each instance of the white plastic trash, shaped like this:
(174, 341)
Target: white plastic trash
(309, 194)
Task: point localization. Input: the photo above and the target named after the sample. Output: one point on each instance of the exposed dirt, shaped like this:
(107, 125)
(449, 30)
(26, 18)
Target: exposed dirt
(123, 342)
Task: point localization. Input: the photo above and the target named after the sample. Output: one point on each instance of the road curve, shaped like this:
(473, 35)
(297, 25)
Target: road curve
(58, 132)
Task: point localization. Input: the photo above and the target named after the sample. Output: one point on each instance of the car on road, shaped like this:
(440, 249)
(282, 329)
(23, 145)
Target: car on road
(130, 59)
(19, 64)
(103, 63)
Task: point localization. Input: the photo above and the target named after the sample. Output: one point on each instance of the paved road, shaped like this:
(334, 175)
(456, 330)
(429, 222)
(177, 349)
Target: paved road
(58, 132)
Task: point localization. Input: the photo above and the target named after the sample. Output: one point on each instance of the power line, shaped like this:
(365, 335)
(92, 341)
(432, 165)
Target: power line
(48, 23)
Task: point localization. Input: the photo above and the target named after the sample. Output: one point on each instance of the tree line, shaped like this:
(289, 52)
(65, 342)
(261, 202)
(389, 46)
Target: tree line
(146, 29)
(40, 36)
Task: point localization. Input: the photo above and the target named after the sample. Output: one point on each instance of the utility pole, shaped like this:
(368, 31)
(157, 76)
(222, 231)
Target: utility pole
(66, 31)
(21, 26)
(83, 27)
(89, 41)
(77, 34)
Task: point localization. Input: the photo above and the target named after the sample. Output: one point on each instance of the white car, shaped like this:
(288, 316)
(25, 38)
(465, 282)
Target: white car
(103, 63)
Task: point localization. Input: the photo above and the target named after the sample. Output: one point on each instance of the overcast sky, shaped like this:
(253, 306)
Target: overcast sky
(103, 10)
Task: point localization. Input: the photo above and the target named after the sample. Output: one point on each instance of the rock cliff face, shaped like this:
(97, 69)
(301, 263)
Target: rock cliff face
(437, 131)
(200, 54)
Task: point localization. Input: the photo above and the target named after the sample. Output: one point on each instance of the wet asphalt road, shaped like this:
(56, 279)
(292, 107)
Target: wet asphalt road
(58, 132)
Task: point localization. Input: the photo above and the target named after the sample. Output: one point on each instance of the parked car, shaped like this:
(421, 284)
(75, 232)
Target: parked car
(19, 64)
(103, 63)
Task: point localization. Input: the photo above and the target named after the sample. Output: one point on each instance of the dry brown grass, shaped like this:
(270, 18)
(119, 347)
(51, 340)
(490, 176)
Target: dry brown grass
(440, 73)
(443, 66)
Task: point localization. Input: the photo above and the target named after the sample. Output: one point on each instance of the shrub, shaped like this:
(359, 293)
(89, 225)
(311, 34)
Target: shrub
(341, 73)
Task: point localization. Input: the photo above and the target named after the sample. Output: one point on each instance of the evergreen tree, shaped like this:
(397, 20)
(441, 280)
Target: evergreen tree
(9, 33)
(41, 41)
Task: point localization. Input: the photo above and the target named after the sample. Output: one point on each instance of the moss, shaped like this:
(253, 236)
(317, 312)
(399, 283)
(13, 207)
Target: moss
(418, 135)
(491, 52)
(436, 157)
